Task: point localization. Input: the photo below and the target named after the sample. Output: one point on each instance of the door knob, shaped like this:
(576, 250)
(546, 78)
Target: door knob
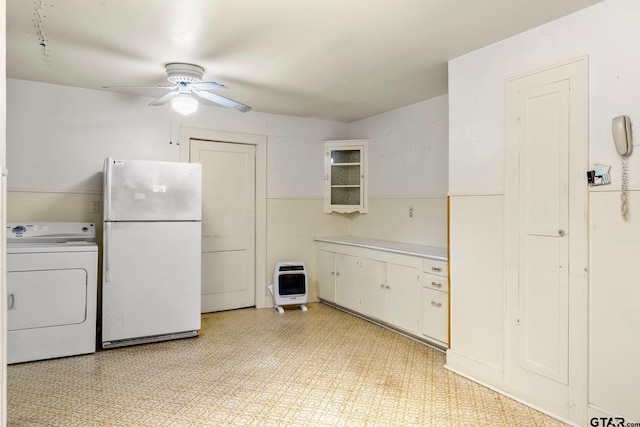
(560, 233)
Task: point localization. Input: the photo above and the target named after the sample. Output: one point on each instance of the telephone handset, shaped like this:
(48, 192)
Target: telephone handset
(621, 129)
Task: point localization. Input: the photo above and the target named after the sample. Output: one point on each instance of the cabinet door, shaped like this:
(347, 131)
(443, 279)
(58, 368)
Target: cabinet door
(348, 281)
(374, 280)
(326, 276)
(435, 318)
(345, 176)
(403, 308)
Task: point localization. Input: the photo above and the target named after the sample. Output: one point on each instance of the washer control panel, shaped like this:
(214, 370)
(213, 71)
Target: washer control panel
(51, 231)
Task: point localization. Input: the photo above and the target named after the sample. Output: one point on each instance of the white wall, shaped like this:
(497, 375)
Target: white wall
(296, 155)
(608, 33)
(408, 152)
(59, 136)
(408, 167)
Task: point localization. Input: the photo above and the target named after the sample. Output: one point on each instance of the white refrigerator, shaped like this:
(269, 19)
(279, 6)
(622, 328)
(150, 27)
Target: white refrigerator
(151, 251)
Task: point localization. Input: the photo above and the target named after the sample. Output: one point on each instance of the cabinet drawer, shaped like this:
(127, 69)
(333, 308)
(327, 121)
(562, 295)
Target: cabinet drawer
(435, 266)
(435, 314)
(439, 283)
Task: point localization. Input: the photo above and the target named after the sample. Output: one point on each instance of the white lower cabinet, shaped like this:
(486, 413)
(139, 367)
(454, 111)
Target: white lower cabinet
(326, 275)
(403, 298)
(435, 300)
(353, 282)
(349, 287)
(435, 318)
(373, 277)
(407, 292)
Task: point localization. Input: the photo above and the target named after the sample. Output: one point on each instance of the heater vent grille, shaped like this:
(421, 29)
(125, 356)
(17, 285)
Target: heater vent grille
(290, 283)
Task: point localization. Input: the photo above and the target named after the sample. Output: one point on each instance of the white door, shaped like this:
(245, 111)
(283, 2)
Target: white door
(543, 287)
(546, 211)
(228, 223)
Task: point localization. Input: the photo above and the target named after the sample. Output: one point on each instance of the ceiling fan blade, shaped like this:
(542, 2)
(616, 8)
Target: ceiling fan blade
(141, 87)
(165, 98)
(222, 100)
(208, 86)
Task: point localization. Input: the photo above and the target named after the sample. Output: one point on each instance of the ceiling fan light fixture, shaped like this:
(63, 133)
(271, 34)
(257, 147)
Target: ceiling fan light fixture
(187, 80)
(184, 104)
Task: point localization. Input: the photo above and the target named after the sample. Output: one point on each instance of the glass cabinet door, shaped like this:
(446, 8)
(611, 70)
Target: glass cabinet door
(345, 176)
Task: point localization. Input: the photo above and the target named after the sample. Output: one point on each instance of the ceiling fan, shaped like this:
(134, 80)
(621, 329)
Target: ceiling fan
(187, 80)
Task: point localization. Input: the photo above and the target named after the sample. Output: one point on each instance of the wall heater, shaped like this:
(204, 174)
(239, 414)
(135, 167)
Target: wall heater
(289, 285)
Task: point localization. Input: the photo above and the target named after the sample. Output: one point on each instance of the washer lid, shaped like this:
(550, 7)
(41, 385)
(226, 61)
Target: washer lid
(41, 247)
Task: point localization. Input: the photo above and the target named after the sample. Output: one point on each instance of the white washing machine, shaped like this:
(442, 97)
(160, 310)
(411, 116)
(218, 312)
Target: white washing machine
(52, 271)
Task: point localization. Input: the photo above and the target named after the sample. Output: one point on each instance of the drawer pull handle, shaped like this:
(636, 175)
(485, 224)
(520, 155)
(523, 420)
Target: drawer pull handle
(12, 302)
(436, 304)
(438, 269)
(436, 284)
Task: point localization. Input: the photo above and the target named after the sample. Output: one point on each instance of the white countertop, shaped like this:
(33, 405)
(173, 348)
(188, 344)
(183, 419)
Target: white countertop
(433, 252)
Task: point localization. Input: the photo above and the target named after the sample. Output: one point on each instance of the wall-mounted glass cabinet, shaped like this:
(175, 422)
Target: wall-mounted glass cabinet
(345, 188)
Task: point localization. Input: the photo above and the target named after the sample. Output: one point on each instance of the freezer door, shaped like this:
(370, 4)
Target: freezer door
(142, 190)
(151, 279)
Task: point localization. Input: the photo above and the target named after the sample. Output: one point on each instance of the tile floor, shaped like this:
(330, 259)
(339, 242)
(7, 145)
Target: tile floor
(259, 368)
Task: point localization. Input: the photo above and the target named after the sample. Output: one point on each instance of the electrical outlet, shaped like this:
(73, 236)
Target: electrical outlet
(95, 206)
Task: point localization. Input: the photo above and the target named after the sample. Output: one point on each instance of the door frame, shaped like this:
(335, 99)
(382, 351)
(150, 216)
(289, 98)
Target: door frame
(577, 71)
(260, 143)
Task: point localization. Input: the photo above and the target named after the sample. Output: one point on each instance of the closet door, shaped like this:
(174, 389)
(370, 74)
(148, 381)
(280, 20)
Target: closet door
(546, 237)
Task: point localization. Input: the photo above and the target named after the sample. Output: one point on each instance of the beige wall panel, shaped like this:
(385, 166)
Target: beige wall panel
(614, 295)
(52, 206)
(291, 226)
(55, 206)
(477, 282)
(389, 219)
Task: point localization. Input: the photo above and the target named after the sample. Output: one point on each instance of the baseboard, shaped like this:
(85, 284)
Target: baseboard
(474, 369)
(510, 396)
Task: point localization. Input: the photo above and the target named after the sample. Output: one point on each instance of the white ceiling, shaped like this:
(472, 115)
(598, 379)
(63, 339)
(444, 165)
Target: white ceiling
(334, 59)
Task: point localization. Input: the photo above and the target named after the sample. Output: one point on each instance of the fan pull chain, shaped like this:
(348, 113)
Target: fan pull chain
(170, 131)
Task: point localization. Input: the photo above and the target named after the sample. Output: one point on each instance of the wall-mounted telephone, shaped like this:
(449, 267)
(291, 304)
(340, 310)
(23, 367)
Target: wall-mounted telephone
(621, 129)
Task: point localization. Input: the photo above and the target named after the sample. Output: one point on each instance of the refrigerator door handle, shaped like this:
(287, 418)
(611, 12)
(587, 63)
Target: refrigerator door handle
(107, 263)
(107, 188)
